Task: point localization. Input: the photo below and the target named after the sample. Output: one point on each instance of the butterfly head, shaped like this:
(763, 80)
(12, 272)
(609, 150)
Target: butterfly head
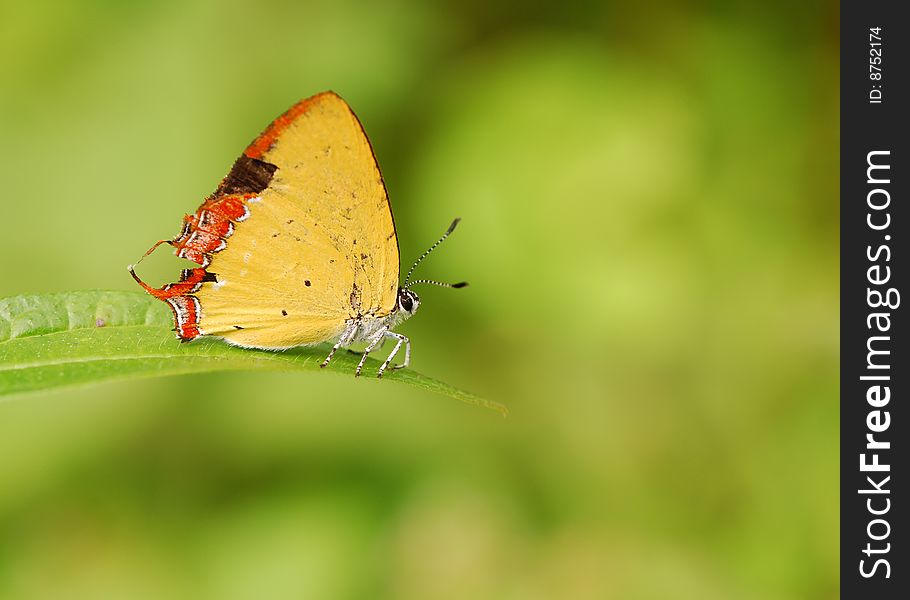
(408, 302)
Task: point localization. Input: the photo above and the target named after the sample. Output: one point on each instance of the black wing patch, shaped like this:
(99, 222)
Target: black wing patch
(247, 176)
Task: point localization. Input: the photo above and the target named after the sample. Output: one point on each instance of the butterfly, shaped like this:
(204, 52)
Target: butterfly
(297, 246)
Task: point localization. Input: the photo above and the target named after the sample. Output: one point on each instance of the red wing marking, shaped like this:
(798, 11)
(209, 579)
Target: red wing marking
(267, 138)
(186, 315)
(214, 224)
(179, 296)
(204, 233)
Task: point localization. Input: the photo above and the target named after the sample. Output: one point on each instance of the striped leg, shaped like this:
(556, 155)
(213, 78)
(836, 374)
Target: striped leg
(407, 355)
(401, 340)
(344, 340)
(381, 346)
(380, 335)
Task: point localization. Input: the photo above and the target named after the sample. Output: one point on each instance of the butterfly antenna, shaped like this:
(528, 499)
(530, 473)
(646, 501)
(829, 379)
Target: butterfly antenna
(407, 279)
(460, 284)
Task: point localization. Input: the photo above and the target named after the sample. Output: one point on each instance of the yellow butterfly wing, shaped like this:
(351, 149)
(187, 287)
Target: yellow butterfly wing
(316, 247)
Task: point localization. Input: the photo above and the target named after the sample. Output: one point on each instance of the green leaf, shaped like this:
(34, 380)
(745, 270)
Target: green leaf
(74, 338)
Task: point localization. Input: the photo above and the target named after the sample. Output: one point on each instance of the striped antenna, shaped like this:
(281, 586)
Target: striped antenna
(407, 279)
(460, 284)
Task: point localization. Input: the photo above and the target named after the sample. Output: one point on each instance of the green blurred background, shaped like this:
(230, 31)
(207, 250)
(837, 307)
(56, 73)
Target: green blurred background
(649, 194)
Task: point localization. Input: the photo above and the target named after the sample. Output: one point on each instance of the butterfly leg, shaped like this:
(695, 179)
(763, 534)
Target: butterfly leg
(401, 340)
(344, 340)
(377, 338)
(381, 345)
(407, 355)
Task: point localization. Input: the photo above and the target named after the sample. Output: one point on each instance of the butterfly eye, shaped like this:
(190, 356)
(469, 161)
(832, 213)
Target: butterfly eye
(406, 303)
(407, 300)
